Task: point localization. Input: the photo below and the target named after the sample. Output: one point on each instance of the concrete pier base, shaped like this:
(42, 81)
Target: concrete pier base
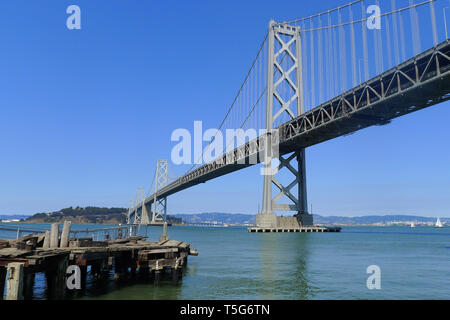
(272, 221)
(298, 229)
(266, 220)
(304, 219)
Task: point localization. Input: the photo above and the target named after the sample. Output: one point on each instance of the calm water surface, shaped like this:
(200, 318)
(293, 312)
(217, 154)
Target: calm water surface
(235, 264)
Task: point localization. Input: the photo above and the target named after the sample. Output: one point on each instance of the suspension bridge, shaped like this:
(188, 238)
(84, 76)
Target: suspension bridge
(315, 79)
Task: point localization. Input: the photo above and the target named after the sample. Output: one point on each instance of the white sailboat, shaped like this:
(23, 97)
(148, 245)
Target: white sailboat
(438, 223)
(413, 225)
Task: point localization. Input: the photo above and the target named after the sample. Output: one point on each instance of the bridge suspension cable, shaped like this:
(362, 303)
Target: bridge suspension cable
(247, 108)
(346, 46)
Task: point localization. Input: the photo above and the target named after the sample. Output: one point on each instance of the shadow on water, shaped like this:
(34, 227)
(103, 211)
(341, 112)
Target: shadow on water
(284, 267)
(137, 285)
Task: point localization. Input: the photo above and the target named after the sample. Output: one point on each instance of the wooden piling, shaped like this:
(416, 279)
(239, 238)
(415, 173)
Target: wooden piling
(65, 234)
(14, 283)
(175, 275)
(2, 281)
(164, 236)
(46, 244)
(119, 269)
(157, 278)
(56, 279)
(143, 273)
(54, 235)
(28, 285)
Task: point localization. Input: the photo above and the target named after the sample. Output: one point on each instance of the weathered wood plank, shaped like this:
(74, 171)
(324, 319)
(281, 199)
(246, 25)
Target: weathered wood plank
(13, 252)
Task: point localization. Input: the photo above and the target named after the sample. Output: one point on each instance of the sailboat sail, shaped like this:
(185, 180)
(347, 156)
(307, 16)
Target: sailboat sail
(438, 223)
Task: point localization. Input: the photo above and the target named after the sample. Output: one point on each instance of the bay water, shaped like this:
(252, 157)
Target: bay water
(235, 264)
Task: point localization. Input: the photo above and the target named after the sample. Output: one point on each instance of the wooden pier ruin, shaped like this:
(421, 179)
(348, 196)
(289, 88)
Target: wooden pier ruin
(53, 252)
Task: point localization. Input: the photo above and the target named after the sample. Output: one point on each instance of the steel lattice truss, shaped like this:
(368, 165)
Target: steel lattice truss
(162, 179)
(287, 39)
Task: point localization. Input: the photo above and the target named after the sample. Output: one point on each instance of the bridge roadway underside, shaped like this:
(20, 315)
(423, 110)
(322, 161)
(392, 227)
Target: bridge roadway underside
(416, 84)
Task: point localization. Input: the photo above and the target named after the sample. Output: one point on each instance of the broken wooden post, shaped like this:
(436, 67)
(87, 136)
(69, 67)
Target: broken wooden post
(65, 234)
(2, 281)
(54, 235)
(14, 284)
(46, 244)
(164, 235)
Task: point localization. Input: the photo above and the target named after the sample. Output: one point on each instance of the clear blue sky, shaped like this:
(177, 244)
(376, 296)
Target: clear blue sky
(85, 114)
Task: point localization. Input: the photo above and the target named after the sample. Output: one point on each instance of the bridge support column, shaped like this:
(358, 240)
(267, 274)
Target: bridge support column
(145, 219)
(284, 102)
(161, 180)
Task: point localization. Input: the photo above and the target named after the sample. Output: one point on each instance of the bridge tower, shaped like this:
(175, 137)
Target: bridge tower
(284, 42)
(161, 180)
(140, 214)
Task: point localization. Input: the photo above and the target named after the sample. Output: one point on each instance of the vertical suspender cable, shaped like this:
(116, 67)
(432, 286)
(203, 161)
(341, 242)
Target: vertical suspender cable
(395, 34)
(414, 28)
(313, 100)
(352, 30)
(320, 57)
(388, 41)
(342, 48)
(304, 63)
(433, 23)
(329, 73)
(365, 50)
(335, 60)
(402, 36)
(380, 43)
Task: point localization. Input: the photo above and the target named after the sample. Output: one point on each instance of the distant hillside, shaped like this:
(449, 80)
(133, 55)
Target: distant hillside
(91, 215)
(82, 215)
(228, 218)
